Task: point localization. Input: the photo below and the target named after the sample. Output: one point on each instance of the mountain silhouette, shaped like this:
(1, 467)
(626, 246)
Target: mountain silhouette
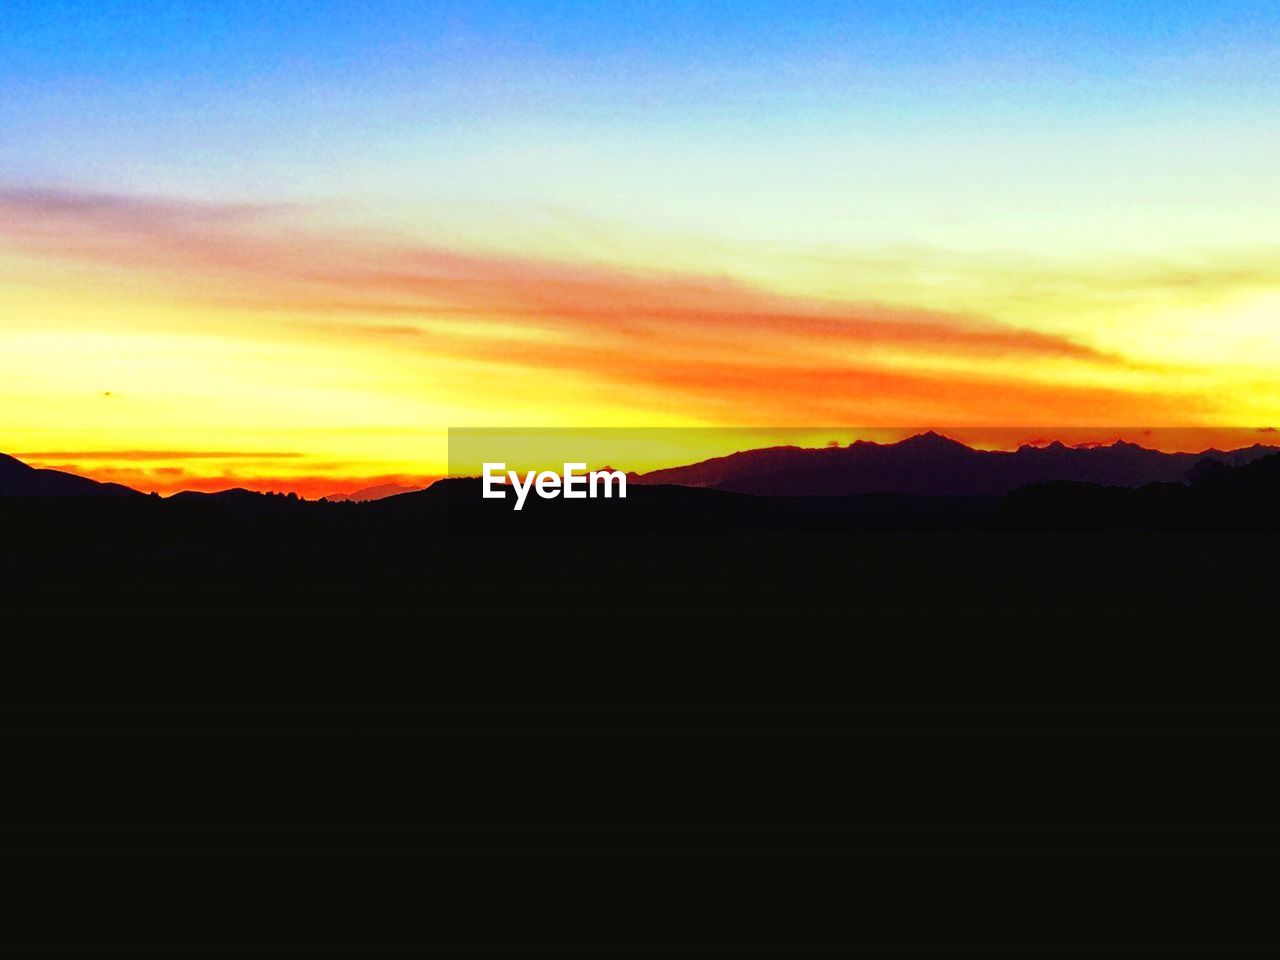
(378, 492)
(929, 464)
(923, 465)
(1260, 477)
(17, 479)
(231, 495)
(731, 547)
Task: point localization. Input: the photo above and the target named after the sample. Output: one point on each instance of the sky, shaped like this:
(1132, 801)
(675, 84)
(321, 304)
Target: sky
(288, 245)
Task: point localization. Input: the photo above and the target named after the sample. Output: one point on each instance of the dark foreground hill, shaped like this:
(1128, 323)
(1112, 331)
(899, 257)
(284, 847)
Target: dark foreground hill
(735, 724)
(688, 544)
(932, 465)
(928, 726)
(1211, 496)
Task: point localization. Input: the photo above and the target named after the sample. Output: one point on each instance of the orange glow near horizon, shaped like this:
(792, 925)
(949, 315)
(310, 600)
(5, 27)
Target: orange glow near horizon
(702, 444)
(176, 345)
(290, 245)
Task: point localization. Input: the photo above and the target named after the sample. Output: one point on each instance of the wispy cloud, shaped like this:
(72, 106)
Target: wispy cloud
(142, 456)
(707, 346)
(126, 211)
(288, 265)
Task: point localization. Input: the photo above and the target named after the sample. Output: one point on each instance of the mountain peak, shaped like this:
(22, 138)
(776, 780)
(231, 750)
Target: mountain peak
(932, 441)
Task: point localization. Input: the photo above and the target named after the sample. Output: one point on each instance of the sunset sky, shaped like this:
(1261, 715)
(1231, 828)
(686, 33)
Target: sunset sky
(287, 245)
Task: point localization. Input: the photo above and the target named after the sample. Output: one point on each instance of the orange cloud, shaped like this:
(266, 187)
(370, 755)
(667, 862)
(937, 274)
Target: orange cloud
(705, 347)
(135, 456)
(283, 265)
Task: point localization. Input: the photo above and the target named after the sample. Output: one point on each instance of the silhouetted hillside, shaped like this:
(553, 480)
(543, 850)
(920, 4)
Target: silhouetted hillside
(19, 480)
(1217, 497)
(420, 539)
(1258, 478)
(378, 492)
(665, 544)
(932, 465)
(670, 508)
(1209, 494)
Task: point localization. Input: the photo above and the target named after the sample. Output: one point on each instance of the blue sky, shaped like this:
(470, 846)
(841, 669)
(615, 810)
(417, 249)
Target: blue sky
(755, 121)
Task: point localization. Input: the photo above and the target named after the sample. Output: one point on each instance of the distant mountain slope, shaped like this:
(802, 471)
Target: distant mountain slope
(17, 479)
(930, 464)
(371, 493)
(230, 494)
(924, 465)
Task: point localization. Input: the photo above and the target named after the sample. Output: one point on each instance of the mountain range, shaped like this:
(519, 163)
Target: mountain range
(929, 464)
